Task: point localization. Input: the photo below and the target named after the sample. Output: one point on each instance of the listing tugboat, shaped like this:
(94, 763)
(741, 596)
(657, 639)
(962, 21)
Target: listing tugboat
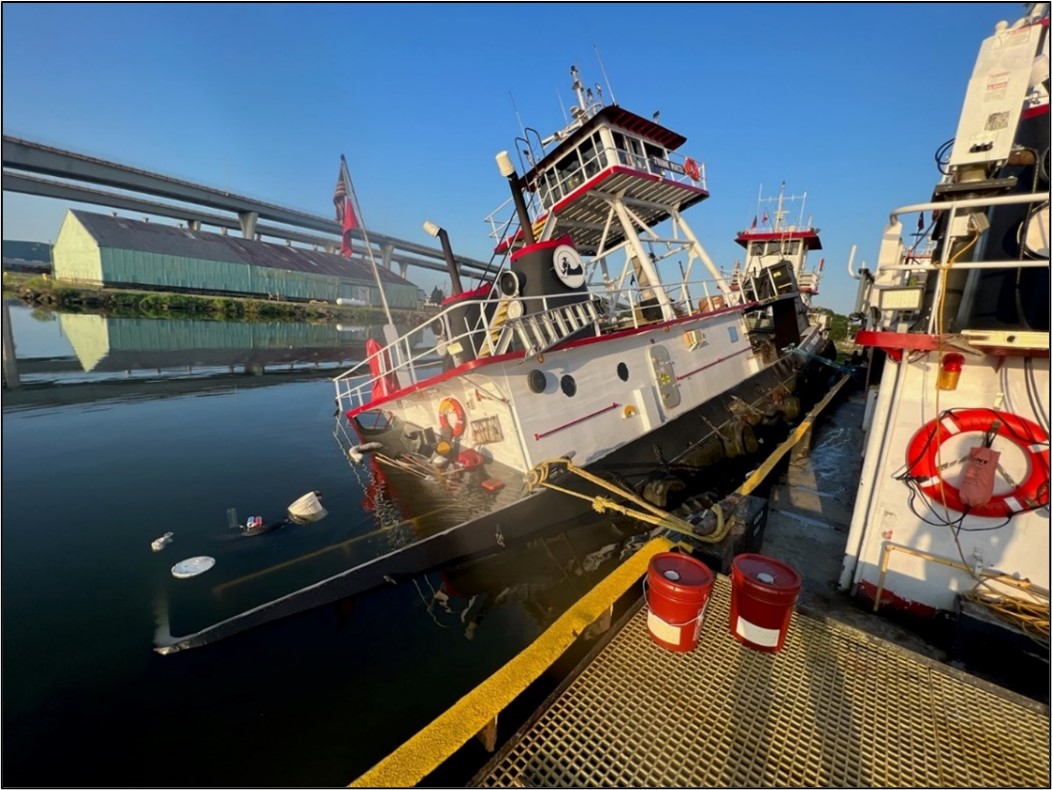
(607, 335)
(952, 517)
(589, 341)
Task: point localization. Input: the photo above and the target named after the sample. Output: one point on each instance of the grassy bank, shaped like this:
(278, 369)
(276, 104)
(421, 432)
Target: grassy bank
(49, 293)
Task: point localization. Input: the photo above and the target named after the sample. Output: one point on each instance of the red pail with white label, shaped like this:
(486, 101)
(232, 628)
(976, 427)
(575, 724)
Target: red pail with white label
(763, 595)
(679, 588)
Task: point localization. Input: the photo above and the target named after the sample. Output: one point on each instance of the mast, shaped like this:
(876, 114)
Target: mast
(349, 185)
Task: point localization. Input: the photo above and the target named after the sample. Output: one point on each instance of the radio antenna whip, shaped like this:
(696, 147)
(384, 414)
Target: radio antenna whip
(602, 68)
(518, 117)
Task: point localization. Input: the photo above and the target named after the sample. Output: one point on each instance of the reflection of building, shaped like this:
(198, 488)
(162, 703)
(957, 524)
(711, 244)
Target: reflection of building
(93, 248)
(116, 344)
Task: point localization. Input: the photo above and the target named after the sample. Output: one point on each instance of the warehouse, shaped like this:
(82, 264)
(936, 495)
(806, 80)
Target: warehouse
(102, 250)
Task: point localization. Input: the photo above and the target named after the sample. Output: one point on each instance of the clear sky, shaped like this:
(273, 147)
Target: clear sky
(846, 102)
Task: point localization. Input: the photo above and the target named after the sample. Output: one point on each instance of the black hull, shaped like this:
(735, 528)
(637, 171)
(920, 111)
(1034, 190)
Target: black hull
(542, 510)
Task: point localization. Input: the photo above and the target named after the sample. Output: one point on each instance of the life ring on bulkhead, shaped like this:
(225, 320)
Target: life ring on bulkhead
(923, 464)
(690, 167)
(452, 406)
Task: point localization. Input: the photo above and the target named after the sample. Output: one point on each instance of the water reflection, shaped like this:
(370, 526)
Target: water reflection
(105, 344)
(46, 353)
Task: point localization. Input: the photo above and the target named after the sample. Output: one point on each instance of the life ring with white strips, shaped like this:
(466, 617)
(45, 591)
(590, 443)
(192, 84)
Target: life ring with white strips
(923, 465)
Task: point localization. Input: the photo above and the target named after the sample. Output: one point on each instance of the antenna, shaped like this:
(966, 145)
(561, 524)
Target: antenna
(562, 106)
(518, 117)
(602, 68)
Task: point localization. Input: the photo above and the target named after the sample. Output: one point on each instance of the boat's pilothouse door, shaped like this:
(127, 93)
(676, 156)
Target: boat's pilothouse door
(664, 376)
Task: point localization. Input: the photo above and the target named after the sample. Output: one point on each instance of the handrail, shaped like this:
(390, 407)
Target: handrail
(354, 386)
(551, 186)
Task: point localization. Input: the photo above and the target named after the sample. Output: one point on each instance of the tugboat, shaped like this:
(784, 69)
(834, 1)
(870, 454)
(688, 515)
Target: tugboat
(589, 341)
(952, 518)
(607, 334)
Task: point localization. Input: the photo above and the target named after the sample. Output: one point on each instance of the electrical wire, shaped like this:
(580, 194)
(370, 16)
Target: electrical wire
(942, 156)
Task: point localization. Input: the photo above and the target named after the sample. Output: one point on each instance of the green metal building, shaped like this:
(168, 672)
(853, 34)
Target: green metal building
(101, 250)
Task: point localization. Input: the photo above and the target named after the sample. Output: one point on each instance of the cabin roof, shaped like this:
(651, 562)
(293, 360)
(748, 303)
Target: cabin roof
(613, 115)
(808, 235)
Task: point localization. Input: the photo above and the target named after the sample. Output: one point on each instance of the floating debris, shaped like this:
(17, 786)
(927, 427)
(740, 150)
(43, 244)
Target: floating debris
(308, 508)
(161, 542)
(192, 567)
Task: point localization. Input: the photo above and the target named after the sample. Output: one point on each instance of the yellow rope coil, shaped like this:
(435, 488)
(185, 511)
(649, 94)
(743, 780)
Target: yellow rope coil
(1031, 616)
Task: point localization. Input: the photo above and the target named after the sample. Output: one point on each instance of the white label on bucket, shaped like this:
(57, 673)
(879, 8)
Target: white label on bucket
(662, 630)
(758, 635)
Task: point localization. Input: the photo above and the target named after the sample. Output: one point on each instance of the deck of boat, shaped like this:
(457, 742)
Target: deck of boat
(836, 707)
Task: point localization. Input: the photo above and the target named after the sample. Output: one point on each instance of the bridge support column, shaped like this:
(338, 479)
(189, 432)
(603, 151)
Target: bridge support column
(11, 377)
(248, 223)
(194, 225)
(387, 252)
(403, 269)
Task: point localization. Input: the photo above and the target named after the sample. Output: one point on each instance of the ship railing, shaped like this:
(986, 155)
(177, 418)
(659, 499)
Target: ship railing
(416, 356)
(902, 270)
(550, 185)
(553, 317)
(768, 283)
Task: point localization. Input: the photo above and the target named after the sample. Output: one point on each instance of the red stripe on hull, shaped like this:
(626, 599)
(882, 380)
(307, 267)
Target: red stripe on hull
(584, 341)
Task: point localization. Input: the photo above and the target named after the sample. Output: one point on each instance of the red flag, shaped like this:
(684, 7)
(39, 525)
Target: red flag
(344, 215)
(753, 222)
(765, 218)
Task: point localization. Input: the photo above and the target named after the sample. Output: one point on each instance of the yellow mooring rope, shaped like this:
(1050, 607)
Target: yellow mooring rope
(540, 476)
(1031, 616)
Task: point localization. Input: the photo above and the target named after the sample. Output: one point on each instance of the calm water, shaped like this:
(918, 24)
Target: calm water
(154, 427)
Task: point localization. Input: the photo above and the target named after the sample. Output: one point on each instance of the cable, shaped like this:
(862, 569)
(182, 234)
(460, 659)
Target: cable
(942, 157)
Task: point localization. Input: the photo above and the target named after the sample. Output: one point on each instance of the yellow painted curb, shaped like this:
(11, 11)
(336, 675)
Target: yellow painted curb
(434, 744)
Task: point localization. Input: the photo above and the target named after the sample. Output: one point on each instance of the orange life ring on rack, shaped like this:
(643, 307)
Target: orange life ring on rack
(690, 167)
(452, 406)
(923, 465)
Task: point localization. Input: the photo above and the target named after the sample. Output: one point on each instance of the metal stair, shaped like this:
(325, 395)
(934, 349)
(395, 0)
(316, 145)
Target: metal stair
(497, 340)
(538, 332)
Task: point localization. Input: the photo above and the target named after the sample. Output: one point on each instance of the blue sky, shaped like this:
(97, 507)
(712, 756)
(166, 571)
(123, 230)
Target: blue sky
(846, 102)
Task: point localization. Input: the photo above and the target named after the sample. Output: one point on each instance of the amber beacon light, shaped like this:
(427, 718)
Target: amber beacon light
(950, 371)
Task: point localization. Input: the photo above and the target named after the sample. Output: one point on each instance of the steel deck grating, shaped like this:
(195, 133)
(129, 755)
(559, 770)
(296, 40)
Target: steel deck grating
(835, 708)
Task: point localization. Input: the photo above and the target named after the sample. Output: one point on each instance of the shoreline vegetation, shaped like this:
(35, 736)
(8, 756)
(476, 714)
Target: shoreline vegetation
(45, 292)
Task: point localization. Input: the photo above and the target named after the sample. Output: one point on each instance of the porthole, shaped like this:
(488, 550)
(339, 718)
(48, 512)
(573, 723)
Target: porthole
(569, 386)
(537, 381)
(622, 371)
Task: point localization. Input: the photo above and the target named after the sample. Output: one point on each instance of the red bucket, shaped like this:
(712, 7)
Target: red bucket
(679, 590)
(763, 594)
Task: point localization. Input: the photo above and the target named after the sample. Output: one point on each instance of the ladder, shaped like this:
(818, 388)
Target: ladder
(495, 342)
(538, 332)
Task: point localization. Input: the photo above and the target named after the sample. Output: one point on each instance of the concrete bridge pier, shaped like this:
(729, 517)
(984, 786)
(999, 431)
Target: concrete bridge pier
(11, 377)
(248, 223)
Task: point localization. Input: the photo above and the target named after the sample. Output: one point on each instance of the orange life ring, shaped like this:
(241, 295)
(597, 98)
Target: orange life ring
(690, 167)
(452, 406)
(923, 466)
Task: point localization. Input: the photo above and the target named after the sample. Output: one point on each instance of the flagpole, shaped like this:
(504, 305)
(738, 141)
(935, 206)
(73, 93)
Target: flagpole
(346, 176)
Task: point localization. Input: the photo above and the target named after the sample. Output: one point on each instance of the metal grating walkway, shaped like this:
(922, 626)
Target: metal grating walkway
(835, 708)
